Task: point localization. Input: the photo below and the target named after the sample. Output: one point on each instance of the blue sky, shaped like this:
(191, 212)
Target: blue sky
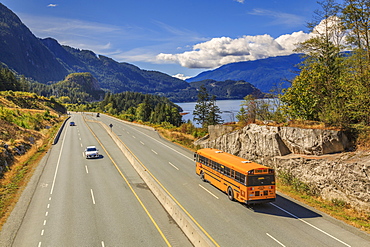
(172, 36)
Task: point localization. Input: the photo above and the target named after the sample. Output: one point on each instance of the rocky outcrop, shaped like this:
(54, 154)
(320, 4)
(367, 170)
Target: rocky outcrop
(313, 156)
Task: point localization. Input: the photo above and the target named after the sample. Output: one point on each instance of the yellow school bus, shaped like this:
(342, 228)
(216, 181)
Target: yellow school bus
(242, 180)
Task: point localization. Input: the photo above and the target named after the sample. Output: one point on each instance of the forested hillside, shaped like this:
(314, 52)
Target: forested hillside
(228, 89)
(134, 106)
(21, 51)
(47, 62)
(264, 74)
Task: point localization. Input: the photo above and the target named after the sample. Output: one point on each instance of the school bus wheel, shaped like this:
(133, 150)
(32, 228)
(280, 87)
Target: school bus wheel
(230, 193)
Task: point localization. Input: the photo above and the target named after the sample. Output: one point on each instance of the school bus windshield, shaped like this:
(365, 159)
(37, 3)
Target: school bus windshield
(261, 180)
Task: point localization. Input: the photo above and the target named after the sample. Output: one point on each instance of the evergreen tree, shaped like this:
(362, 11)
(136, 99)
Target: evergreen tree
(206, 111)
(214, 114)
(201, 109)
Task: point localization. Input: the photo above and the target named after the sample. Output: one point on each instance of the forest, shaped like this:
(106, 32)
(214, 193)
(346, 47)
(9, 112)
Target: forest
(334, 86)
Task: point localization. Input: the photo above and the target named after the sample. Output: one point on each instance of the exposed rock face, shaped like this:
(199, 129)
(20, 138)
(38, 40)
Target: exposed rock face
(315, 157)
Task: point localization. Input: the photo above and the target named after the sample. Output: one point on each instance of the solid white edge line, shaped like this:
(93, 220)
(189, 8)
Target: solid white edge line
(60, 155)
(277, 241)
(92, 196)
(209, 191)
(310, 224)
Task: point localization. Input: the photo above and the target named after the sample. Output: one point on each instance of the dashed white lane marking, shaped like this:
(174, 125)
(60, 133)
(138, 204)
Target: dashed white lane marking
(309, 224)
(154, 151)
(92, 196)
(173, 166)
(209, 191)
(277, 241)
(164, 145)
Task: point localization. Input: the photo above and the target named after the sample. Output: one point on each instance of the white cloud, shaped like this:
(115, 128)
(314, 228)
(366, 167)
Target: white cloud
(224, 50)
(239, 1)
(52, 5)
(181, 76)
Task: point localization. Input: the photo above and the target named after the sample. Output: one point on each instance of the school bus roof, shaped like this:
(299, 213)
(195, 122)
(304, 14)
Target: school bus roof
(232, 161)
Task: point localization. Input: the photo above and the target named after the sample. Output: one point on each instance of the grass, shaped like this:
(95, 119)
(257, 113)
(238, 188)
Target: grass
(17, 177)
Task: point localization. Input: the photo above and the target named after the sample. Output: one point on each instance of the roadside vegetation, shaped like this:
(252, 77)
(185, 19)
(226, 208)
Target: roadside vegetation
(27, 124)
(331, 91)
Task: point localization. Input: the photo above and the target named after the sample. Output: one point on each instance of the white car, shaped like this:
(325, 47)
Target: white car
(91, 152)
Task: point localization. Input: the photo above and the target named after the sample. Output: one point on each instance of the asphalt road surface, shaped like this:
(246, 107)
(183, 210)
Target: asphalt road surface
(103, 202)
(88, 202)
(282, 223)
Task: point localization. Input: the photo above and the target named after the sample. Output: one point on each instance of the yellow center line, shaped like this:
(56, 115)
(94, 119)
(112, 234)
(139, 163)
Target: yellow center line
(132, 190)
(173, 198)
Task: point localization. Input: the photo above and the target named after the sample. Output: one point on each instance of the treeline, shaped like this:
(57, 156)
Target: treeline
(334, 86)
(76, 88)
(133, 106)
(8, 81)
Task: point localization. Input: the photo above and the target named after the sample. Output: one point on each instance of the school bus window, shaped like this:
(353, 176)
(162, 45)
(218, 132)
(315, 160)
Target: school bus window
(232, 173)
(258, 180)
(255, 182)
(227, 171)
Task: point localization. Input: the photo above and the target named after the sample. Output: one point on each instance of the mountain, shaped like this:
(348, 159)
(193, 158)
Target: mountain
(45, 60)
(21, 51)
(112, 75)
(48, 62)
(79, 87)
(228, 89)
(264, 74)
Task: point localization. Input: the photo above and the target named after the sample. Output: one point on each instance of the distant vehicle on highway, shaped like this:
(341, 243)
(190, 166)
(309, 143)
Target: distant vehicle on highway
(72, 124)
(91, 152)
(98, 114)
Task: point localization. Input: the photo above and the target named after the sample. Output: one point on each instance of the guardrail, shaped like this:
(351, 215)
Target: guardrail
(56, 139)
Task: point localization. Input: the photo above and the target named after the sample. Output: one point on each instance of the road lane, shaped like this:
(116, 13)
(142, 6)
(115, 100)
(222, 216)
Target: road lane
(226, 221)
(90, 203)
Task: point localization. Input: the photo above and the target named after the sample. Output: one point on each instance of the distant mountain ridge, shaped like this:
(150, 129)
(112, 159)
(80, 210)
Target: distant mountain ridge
(46, 61)
(21, 51)
(263, 73)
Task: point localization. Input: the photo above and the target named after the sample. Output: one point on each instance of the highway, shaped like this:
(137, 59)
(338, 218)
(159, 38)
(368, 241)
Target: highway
(88, 202)
(103, 202)
(282, 223)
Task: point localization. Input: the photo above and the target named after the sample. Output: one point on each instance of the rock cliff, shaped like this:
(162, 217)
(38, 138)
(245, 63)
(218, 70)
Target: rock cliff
(318, 158)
